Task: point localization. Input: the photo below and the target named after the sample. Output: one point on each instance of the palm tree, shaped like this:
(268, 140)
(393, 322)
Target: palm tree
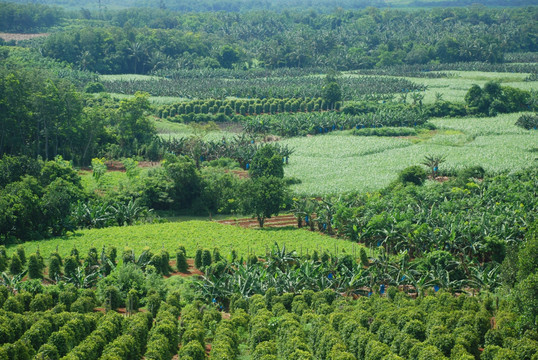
(136, 52)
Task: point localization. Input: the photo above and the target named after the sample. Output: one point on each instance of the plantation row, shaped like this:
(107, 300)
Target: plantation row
(306, 325)
(301, 124)
(353, 88)
(242, 107)
(443, 70)
(81, 334)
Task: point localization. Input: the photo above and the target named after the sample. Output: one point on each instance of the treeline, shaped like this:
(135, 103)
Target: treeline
(28, 17)
(274, 5)
(345, 40)
(44, 116)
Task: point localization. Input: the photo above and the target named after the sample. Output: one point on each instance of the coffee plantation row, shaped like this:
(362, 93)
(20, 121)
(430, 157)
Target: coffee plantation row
(60, 323)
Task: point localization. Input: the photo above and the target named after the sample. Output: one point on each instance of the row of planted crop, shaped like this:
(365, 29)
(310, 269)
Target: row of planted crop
(301, 325)
(302, 124)
(243, 107)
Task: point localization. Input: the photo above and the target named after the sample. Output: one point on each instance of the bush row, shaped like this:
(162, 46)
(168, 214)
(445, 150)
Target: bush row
(68, 336)
(91, 347)
(132, 343)
(302, 124)
(225, 345)
(385, 131)
(242, 107)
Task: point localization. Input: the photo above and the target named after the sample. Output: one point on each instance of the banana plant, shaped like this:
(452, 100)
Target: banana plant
(484, 277)
(81, 280)
(280, 258)
(12, 282)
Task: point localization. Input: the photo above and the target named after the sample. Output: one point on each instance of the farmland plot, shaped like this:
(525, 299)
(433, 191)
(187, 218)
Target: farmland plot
(341, 162)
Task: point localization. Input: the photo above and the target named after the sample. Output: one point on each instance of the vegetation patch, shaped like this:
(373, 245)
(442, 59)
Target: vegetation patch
(192, 234)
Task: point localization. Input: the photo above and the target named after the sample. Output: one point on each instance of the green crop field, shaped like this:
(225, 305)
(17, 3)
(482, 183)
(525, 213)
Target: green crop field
(193, 235)
(340, 162)
(455, 87)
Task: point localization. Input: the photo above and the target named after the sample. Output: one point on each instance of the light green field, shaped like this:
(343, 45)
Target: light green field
(340, 162)
(168, 129)
(456, 86)
(127, 77)
(155, 100)
(193, 235)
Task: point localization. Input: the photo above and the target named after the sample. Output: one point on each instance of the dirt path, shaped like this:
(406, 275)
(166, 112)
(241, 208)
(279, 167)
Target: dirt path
(274, 222)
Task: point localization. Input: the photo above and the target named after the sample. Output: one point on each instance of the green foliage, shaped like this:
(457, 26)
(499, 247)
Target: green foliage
(527, 260)
(198, 259)
(35, 266)
(385, 131)
(206, 258)
(526, 301)
(527, 121)
(493, 99)
(193, 350)
(265, 197)
(332, 93)
(112, 298)
(22, 254)
(15, 265)
(181, 261)
(412, 175)
(55, 264)
(94, 87)
(267, 162)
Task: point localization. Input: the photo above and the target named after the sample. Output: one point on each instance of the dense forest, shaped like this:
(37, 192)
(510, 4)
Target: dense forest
(344, 40)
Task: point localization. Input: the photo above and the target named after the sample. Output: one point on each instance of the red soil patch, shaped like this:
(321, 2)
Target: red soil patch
(191, 271)
(442, 179)
(20, 37)
(274, 222)
(242, 174)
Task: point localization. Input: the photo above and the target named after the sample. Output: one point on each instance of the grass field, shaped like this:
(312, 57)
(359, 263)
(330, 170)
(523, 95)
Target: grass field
(155, 100)
(340, 162)
(456, 86)
(193, 235)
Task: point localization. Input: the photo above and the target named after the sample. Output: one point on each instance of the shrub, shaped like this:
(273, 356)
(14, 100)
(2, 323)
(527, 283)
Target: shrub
(193, 350)
(71, 265)
(412, 175)
(376, 350)
(527, 121)
(35, 267)
(83, 304)
(430, 352)
(14, 305)
(15, 266)
(263, 349)
(55, 263)
(112, 298)
(41, 302)
(198, 259)
(181, 261)
(206, 258)
(94, 87)
(153, 302)
(21, 253)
